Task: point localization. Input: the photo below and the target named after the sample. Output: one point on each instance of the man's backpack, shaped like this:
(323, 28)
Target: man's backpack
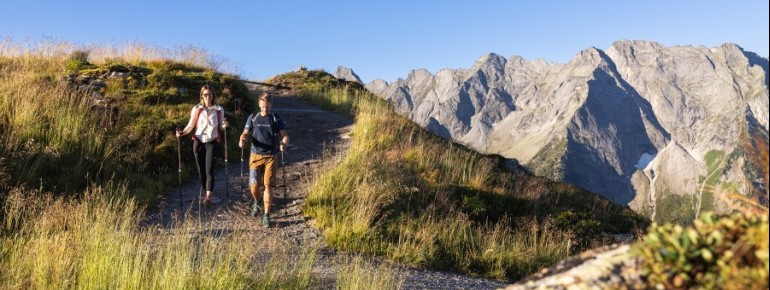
(273, 122)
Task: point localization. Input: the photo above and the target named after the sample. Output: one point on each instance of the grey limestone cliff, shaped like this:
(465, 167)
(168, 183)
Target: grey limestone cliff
(347, 74)
(634, 122)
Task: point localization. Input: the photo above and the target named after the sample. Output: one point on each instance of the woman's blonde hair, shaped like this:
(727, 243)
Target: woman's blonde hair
(213, 94)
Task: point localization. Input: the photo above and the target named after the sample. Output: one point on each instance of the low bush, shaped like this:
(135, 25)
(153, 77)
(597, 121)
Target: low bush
(715, 252)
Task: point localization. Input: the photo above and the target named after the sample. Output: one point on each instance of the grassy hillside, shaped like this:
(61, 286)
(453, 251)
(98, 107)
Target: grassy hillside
(405, 194)
(68, 122)
(100, 130)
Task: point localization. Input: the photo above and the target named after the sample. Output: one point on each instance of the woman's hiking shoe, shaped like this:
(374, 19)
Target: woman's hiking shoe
(266, 221)
(255, 209)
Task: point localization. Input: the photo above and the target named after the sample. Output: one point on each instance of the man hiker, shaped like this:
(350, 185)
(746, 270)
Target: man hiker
(265, 128)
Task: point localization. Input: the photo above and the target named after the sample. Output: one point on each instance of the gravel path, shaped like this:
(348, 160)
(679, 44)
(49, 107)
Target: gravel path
(312, 131)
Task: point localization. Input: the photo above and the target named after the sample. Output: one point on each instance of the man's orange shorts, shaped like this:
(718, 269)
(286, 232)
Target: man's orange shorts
(265, 167)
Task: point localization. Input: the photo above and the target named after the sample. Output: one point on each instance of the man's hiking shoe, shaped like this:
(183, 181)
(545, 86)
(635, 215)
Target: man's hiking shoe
(207, 201)
(266, 221)
(255, 209)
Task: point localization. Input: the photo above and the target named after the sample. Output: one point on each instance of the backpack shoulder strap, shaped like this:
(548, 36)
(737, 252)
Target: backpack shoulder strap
(274, 123)
(220, 111)
(253, 119)
(197, 114)
(200, 109)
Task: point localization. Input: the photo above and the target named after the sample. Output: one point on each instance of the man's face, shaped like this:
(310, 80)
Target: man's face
(264, 105)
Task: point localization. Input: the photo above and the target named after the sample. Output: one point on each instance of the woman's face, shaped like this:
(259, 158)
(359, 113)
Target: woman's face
(208, 98)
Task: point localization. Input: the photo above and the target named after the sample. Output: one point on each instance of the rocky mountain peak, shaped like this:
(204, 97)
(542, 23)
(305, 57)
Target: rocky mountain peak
(592, 120)
(347, 74)
(589, 57)
(490, 60)
(636, 44)
(732, 46)
(418, 75)
(377, 86)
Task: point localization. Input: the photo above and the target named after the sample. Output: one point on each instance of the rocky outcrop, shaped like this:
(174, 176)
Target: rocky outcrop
(632, 122)
(347, 74)
(612, 267)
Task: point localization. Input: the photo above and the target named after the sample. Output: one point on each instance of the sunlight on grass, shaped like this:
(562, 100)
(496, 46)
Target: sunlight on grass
(69, 127)
(130, 52)
(75, 114)
(97, 243)
(404, 194)
(358, 273)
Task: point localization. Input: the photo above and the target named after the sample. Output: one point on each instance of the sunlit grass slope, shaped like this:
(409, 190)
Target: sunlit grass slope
(68, 120)
(85, 142)
(405, 194)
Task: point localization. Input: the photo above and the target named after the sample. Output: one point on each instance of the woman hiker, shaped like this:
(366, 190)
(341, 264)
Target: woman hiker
(265, 129)
(206, 120)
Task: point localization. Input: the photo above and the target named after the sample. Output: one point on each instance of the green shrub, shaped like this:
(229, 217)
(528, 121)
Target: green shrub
(582, 225)
(676, 209)
(712, 253)
(78, 60)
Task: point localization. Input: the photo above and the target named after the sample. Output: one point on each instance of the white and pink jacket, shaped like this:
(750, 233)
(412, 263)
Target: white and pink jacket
(207, 122)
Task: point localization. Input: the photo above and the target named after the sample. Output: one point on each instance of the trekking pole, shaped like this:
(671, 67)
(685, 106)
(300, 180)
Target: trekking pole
(179, 158)
(227, 190)
(283, 167)
(241, 191)
(200, 194)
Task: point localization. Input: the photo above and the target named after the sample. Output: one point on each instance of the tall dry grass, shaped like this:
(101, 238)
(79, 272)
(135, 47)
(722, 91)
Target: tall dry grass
(395, 194)
(56, 123)
(51, 138)
(97, 243)
(359, 273)
(134, 51)
(46, 126)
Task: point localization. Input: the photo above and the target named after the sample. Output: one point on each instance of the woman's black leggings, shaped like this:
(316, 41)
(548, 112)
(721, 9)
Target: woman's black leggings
(204, 159)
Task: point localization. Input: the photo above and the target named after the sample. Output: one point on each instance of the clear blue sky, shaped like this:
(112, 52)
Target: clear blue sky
(387, 39)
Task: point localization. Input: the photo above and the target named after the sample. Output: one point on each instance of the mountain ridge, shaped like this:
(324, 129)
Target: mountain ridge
(591, 120)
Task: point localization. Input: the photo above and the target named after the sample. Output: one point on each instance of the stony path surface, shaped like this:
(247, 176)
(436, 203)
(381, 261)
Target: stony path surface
(312, 131)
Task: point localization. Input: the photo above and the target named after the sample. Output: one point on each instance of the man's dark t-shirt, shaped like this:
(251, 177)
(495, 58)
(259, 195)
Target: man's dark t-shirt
(264, 136)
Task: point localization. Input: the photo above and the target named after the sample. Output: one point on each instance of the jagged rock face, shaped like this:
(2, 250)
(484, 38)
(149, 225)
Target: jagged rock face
(347, 74)
(636, 117)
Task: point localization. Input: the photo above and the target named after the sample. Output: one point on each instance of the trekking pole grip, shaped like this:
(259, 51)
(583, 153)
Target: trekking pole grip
(227, 176)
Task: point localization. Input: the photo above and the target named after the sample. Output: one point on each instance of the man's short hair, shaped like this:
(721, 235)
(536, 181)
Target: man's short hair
(267, 97)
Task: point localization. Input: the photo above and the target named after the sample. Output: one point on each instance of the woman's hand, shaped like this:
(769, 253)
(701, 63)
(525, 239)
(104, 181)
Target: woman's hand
(225, 124)
(179, 133)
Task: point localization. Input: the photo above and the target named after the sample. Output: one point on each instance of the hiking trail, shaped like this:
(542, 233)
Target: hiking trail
(312, 131)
